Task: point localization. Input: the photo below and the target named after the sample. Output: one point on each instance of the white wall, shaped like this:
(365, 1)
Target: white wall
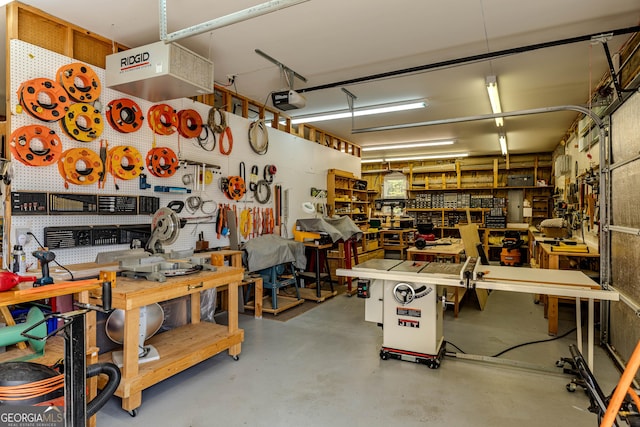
(301, 164)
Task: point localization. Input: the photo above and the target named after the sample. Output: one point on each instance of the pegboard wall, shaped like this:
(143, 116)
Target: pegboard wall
(301, 164)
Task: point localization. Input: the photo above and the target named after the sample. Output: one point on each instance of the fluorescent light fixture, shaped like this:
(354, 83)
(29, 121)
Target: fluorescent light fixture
(503, 144)
(406, 145)
(427, 157)
(409, 158)
(494, 98)
(360, 112)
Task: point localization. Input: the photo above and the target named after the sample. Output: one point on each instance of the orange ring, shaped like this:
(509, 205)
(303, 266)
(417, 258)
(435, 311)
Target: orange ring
(162, 162)
(70, 75)
(236, 188)
(189, 123)
(21, 141)
(29, 94)
(67, 166)
(124, 115)
(133, 167)
(93, 124)
(229, 135)
(162, 119)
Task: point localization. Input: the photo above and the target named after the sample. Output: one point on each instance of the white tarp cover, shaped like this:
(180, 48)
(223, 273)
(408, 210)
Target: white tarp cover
(338, 227)
(271, 250)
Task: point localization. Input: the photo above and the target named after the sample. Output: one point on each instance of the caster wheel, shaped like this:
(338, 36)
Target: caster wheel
(571, 387)
(559, 363)
(384, 355)
(433, 364)
(133, 412)
(236, 358)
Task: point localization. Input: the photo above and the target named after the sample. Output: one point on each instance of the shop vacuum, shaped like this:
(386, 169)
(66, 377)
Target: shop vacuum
(511, 244)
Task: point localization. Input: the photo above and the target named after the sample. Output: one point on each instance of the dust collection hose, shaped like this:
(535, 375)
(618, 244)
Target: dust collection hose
(110, 370)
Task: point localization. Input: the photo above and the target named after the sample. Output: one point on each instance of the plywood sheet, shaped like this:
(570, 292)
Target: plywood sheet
(470, 239)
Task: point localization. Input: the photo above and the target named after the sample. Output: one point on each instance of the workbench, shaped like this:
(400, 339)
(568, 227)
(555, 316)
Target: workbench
(439, 249)
(179, 348)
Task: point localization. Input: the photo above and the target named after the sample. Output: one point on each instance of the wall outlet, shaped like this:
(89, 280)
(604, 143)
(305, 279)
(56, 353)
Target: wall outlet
(23, 231)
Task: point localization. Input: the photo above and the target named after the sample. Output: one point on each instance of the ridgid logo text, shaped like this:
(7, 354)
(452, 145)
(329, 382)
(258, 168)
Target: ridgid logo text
(134, 61)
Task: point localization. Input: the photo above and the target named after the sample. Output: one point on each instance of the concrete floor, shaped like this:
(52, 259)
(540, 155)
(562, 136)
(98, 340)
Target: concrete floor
(322, 369)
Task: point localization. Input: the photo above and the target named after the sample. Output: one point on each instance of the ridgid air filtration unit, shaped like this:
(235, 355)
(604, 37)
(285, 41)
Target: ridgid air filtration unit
(159, 72)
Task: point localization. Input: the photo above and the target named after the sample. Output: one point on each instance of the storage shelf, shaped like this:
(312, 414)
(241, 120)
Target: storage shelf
(343, 198)
(179, 349)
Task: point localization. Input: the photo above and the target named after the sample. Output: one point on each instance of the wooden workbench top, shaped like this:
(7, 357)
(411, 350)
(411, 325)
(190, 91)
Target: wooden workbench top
(25, 291)
(130, 293)
(550, 249)
(452, 249)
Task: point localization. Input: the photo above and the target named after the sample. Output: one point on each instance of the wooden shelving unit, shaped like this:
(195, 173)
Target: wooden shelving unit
(348, 195)
(486, 177)
(461, 181)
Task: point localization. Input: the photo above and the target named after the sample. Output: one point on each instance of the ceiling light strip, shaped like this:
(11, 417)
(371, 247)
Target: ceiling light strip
(494, 98)
(503, 144)
(406, 145)
(410, 158)
(359, 112)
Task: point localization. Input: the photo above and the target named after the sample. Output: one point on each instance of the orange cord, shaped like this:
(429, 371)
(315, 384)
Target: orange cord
(32, 390)
(229, 135)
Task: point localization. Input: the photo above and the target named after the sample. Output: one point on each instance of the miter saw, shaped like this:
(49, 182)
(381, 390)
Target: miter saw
(165, 227)
(154, 263)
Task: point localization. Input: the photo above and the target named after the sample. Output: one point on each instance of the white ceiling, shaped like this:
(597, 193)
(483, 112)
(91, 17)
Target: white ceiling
(330, 41)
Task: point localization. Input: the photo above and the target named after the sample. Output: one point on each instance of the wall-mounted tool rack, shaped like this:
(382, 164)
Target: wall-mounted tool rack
(61, 203)
(87, 235)
(120, 205)
(29, 203)
(36, 203)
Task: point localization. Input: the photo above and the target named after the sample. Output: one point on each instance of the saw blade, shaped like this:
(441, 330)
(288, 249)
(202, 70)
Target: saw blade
(165, 225)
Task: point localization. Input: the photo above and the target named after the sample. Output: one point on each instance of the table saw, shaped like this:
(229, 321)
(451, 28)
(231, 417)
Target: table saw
(402, 296)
